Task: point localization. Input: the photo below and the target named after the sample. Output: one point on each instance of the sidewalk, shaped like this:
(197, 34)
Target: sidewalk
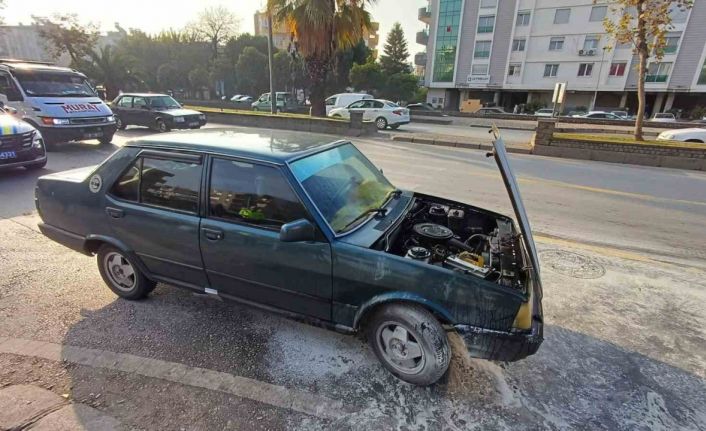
(28, 407)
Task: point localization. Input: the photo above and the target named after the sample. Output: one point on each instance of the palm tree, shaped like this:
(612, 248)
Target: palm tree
(319, 28)
(113, 69)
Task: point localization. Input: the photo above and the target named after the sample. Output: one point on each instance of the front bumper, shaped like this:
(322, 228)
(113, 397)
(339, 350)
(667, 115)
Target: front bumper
(55, 135)
(28, 157)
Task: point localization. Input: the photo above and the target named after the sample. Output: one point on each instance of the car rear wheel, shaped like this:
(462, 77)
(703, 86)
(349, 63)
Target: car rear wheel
(162, 126)
(381, 123)
(410, 342)
(121, 274)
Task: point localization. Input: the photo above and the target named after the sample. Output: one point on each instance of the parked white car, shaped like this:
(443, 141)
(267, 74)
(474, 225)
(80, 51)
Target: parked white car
(599, 115)
(664, 117)
(383, 112)
(684, 135)
(544, 113)
(342, 100)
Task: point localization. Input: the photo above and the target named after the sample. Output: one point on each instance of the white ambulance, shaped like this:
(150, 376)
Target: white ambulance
(57, 101)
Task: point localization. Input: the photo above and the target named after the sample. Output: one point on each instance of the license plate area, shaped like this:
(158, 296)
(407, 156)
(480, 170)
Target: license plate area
(92, 135)
(8, 155)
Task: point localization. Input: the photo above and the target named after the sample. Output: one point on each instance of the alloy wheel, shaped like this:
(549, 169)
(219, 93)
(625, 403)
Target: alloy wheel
(400, 348)
(120, 271)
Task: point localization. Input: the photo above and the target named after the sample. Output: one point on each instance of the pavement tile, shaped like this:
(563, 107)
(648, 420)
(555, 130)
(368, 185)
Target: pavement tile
(79, 355)
(50, 351)
(15, 346)
(77, 417)
(20, 404)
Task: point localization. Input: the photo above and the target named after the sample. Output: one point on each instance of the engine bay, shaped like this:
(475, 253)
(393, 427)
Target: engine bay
(460, 238)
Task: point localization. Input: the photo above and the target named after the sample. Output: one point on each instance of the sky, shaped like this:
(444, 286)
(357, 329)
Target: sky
(154, 15)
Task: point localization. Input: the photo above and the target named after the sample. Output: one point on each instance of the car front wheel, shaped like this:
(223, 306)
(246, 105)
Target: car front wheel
(121, 274)
(410, 342)
(381, 123)
(119, 123)
(162, 126)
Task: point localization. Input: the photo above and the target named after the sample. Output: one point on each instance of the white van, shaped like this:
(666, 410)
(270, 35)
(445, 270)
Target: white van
(342, 100)
(57, 101)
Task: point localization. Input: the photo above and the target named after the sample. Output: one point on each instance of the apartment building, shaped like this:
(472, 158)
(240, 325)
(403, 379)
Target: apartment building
(511, 52)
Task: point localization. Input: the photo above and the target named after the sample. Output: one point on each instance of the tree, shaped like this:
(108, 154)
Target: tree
(215, 25)
(367, 77)
(198, 79)
(112, 69)
(252, 71)
(644, 24)
(396, 57)
(401, 87)
(320, 27)
(2, 6)
(65, 34)
(169, 77)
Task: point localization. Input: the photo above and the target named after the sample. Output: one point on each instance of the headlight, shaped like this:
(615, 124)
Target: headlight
(37, 141)
(665, 135)
(55, 121)
(110, 118)
(178, 119)
(202, 117)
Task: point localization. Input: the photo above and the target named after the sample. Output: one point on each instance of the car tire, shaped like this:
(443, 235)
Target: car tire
(410, 342)
(696, 141)
(119, 123)
(36, 166)
(106, 139)
(122, 275)
(381, 123)
(162, 126)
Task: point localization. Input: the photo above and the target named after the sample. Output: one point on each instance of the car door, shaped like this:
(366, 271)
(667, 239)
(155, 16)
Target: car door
(358, 106)
(153, 208)
(374, 109)
(141, 114)
(122, 108)
(243, 256)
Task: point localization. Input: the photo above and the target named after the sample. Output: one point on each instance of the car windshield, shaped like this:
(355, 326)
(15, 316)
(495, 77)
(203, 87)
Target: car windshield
(343, 184)
(164, 102)
(54, 84)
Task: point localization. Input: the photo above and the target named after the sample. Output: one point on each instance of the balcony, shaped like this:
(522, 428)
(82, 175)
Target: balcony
(420, 59)
(423, 37)
(424, 15)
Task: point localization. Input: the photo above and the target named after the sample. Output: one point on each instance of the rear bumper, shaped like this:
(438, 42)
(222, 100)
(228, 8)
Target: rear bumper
(55, 135)
(186, 124)
(26, 157)
(67, 239)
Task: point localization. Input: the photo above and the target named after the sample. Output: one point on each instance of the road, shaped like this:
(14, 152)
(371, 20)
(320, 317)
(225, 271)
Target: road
(623, 260)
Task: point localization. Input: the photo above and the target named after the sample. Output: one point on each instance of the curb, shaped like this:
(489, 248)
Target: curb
(455, 144)
(522, 129)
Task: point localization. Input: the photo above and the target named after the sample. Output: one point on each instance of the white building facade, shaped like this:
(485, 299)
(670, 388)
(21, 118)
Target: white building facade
(513, 52)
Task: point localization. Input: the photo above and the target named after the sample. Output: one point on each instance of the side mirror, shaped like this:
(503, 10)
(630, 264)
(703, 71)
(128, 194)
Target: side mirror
(297, 231)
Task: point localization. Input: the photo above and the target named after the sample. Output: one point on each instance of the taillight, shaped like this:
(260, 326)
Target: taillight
(398, 111)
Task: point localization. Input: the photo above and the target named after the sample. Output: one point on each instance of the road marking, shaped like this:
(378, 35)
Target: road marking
(243, 387)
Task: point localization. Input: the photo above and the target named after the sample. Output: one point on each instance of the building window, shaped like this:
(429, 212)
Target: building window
(482, 49)
(556, 43)
(702, 75)
(446, 40)
(551, 70)
(561, 16)
(591, 43)
(486, 23)
(514, 69)
(488, 3)
(598, 13)
(617, 69)
(523, 18)
(518, 45)
(678, 14)
(658, 72)
(479, 69)
(671, 44)
(585, 69)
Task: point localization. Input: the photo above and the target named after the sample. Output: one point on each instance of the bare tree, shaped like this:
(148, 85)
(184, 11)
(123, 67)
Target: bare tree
(644, 24)
(215, 25)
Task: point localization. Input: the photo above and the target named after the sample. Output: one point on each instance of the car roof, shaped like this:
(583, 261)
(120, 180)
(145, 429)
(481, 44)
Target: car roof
(275, 146)
(37, 66)
(143, 94)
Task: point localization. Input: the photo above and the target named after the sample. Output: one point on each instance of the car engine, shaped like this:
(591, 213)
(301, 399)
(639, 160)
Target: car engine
(459, 238)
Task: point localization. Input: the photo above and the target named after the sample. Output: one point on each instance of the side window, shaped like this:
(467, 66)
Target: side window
(331, 101)
(170, 184)
(139, 102)
(377, 104)
(251, 193)
(356, 105)
(4, 83)
(128, 186)
(125, 102)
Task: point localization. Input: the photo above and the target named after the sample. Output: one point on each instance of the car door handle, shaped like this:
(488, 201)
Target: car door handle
(213, 234)
(115, 212)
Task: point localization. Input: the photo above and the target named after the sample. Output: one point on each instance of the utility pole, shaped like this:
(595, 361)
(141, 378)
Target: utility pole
(598, 81)
(273, 94)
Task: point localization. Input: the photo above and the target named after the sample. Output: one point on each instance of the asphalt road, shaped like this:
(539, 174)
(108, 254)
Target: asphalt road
(623, 263)
(479, 134)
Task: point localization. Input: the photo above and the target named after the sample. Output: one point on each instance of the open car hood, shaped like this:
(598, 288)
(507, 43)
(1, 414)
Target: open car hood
(513, 190)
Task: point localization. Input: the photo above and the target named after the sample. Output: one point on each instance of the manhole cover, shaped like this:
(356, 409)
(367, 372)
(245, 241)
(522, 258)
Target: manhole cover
(572, 264)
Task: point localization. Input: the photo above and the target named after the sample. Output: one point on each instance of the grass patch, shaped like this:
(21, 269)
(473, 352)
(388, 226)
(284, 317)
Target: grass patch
(627, 139)
(259, 113)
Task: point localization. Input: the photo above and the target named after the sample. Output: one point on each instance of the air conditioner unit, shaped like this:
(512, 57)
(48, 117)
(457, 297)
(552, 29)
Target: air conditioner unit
(582, 52)
(591, 52)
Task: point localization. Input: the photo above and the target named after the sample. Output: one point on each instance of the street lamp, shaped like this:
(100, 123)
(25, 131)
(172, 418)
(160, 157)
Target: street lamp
(598, 81)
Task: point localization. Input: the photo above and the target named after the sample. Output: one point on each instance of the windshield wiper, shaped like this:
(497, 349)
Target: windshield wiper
(364, 214)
